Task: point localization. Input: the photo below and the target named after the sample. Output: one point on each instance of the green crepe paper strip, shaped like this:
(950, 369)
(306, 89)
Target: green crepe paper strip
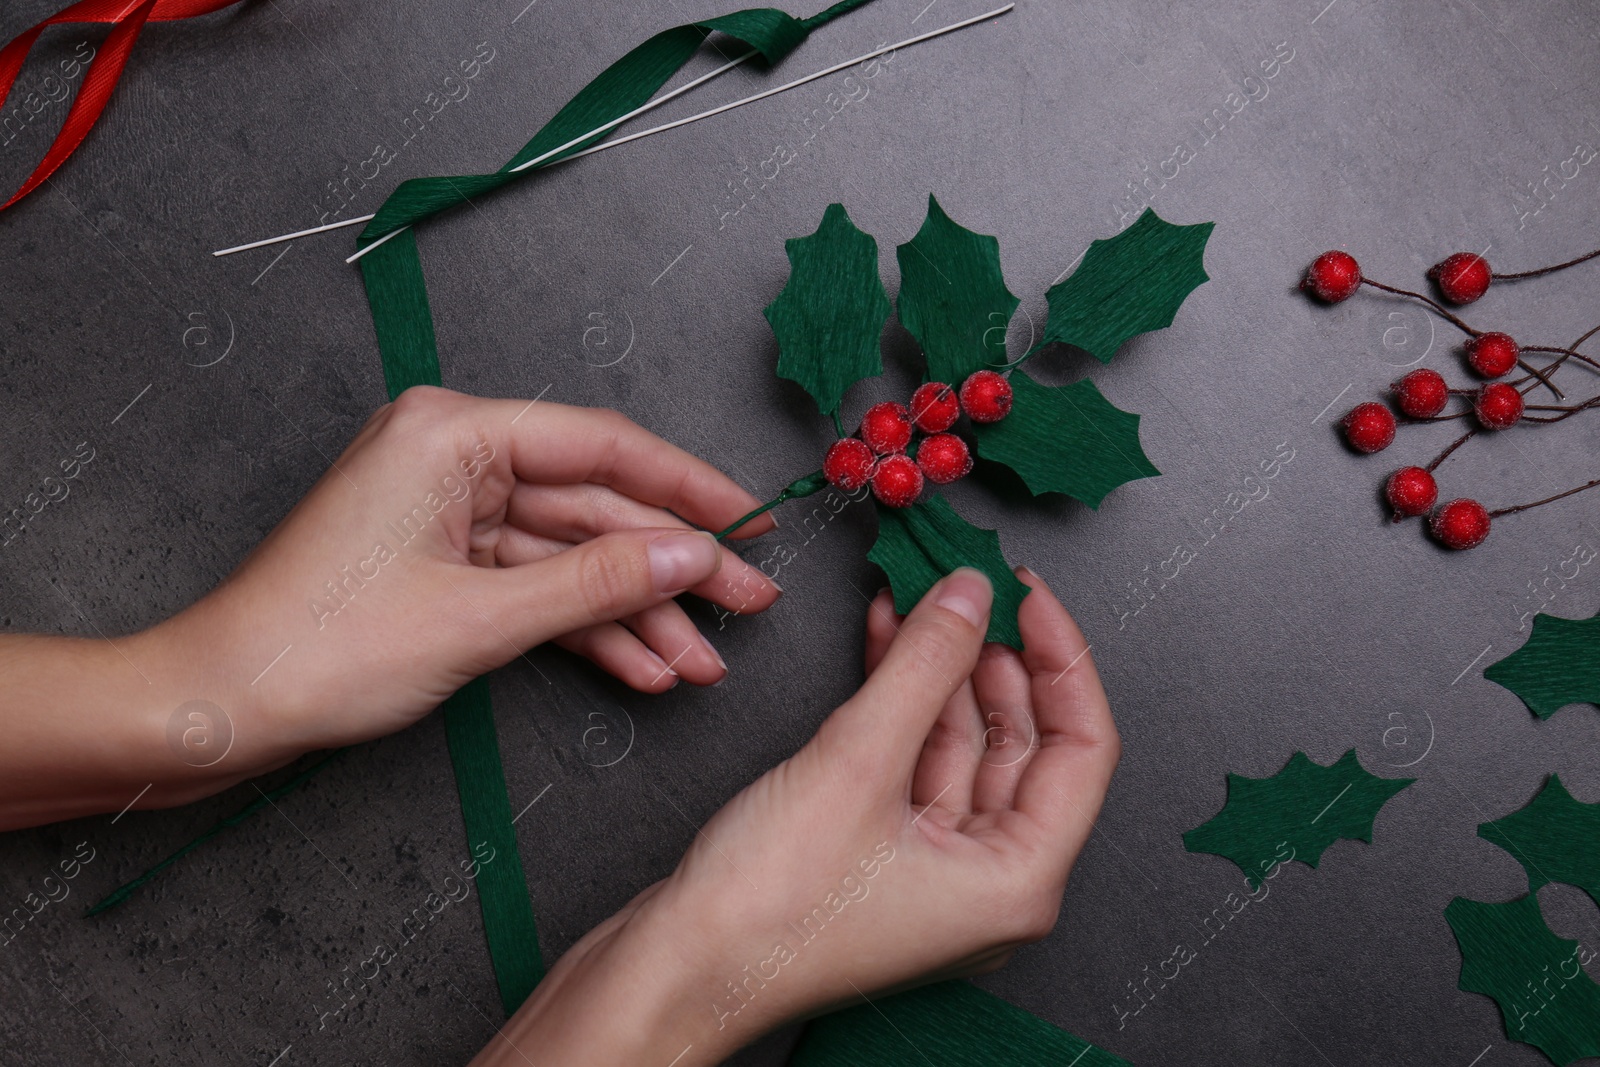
(1558, 665)
(508, 921)
(1128, 284)
(1066, 439)
(398, 297)
(1556, 838)
(953, 298)
(410, 358)
(829, 318)
(952, 1024)
(622, 87)
(123, 892)
(919, 545)
(396, 292)
(1510, 954)
(1305, 806)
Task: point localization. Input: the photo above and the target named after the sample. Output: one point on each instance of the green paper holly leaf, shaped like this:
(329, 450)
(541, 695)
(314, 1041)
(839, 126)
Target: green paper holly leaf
(1558, 665)
(917, 546)
(1066, 439)
(829, 318)
(1303, 808)
(1556, 838)
(1545, 998)
(953, 298)
(1128, 284)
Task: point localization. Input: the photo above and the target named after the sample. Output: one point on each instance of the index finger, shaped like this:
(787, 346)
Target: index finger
(559, 444)
(1066, 780)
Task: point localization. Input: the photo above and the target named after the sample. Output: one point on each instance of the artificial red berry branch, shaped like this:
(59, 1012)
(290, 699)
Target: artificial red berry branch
(1423, 394)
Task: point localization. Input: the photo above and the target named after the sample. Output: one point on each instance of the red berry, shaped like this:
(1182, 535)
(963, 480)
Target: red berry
(848, 464)
(1462, 277)
(986, 396)
(897, 482)
(1369, 427)
(934, 407)
(1499, 406)
(1333, 276)
(886, 428)
(1422, 394)
(1493, 354)
(1460, 524)
(1411, 491)
(944, 458)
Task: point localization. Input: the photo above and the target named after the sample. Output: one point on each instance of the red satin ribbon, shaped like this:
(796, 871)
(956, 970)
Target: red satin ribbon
(128, 18)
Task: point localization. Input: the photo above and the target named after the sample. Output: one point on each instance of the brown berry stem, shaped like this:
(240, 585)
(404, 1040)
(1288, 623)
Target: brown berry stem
(1446, 315)
(1442, 456)
(1545, 270)
(1565, 353)
(1547, 500)
(1542, 375)
(1567, 411)
(814, 482)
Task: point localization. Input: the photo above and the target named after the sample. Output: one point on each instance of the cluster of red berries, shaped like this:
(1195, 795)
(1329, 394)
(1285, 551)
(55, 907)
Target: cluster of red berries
(880, 454)
(1423, 394)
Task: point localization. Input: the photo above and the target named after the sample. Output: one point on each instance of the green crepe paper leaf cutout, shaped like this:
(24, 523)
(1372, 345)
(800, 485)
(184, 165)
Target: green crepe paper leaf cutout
(1066, 439)
(1558, 665)
(1128, 284)
(953, 1024)
(1556, 838)
(829, 318)
(918, 545)
(953, 298)
(1305, 806)
(1545, 998)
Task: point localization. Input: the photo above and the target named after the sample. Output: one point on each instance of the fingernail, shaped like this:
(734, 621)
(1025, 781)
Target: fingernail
(678, 561)
(967, 593)
(714, 654)
(665, 669)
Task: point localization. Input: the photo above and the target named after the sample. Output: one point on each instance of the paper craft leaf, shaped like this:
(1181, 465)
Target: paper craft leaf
(1066, 439)
(951, 1024)
(1305, 806)
(1545, 998)
(829, 318)
(1128, 284)
(1558, 665)
(953, 298)
(918, 545)
(1556, 838)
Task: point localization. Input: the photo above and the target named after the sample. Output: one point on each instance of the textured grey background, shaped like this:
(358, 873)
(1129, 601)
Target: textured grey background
(1399, 133)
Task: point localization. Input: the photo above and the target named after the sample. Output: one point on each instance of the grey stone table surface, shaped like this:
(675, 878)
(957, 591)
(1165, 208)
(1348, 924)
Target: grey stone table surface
(213, 392)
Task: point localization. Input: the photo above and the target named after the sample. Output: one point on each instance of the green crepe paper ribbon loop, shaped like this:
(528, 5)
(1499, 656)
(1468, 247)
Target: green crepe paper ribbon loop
(397, 294)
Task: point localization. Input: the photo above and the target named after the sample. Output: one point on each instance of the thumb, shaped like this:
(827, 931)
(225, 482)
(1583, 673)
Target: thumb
(933, 653)
(599, 580)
